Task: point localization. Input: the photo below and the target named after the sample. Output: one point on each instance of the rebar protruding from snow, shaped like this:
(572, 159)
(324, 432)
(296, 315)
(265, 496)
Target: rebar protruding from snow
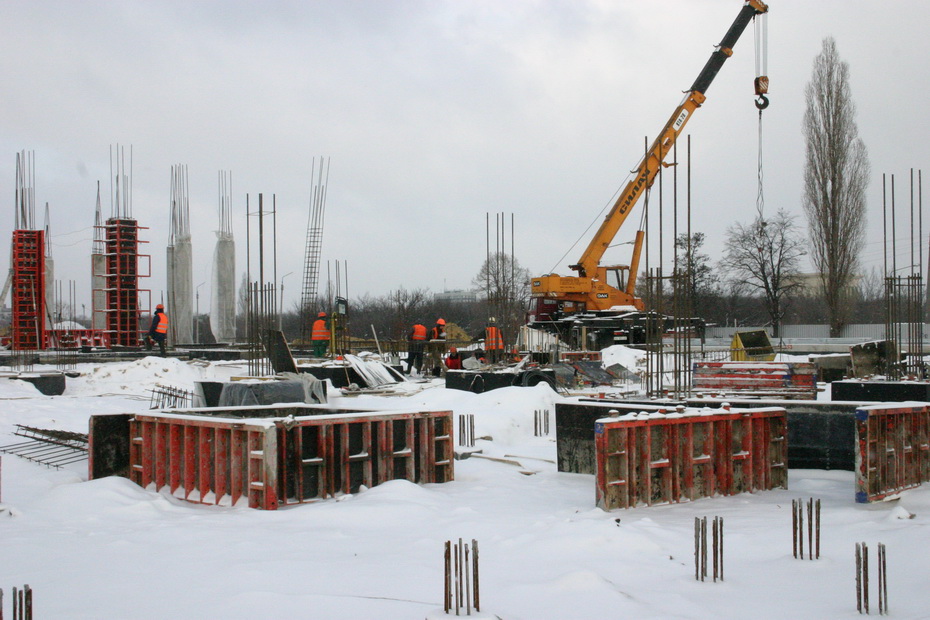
(700, 548)
(813, 528)
(22, 603)
(467, 430)
(882, 580)
(460, 583)
(541, 422)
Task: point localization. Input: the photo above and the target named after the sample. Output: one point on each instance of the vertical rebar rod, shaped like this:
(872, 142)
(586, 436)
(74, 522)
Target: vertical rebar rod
(467, 584)
(715, 541)
(817, 555)
(474, 559)
(859, 577)
(865, 577)
(447, 578)
(458, 578)
(794, 528)
(800, 529)
(810, 529)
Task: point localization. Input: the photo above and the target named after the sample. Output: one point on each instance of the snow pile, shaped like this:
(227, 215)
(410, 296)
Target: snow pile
(546, 551)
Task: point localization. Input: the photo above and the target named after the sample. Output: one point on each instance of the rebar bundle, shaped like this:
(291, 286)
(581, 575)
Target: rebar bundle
(313, 247)
(541, 423)
(460, 583)
(170, 397)
(700, 548)
(22, 603)
(813, 528)
(862, 579)
(467, 430)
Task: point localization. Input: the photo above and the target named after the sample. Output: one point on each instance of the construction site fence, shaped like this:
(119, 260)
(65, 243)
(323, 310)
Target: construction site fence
(856, 332)
(893, 449)
(267, 463)
(655, 458)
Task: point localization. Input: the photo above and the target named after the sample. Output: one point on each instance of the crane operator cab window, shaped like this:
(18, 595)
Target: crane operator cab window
(619, 276)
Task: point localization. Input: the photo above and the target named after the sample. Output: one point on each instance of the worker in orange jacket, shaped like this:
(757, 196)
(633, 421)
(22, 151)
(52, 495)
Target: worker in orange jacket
(493, 341)
(415, 341)
(159, 329)
(320, 335)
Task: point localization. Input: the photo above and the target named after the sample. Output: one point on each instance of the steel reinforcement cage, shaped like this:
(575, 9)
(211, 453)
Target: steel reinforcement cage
(655, 458)
(272, 462)
(892, 449)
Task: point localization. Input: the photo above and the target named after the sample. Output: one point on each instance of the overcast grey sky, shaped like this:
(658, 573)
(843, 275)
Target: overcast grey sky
(433, 113)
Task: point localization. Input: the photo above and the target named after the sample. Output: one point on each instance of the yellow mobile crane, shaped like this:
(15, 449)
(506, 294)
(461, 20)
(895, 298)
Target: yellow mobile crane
(557, 296)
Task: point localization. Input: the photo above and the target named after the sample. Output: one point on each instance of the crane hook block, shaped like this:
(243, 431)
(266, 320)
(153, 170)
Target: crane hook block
(762, 102)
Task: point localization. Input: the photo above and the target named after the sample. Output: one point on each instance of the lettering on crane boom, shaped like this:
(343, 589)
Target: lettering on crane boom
(602, 295)
(680, 120)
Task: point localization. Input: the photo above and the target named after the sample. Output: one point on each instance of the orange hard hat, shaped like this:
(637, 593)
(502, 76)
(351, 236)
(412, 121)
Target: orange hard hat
(159, 307)
(322, 314)
(441, 322)
(453, 350)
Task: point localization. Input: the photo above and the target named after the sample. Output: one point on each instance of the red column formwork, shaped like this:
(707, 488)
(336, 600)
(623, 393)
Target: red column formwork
(892, 449)
(266, 463)
(122, 258)
(27, 292)
(648, 459)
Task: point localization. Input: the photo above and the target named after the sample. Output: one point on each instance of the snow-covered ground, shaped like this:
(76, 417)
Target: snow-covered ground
(109, 549)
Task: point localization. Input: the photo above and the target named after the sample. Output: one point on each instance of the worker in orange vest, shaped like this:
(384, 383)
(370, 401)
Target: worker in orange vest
(493, 341)
(159, 329)
(415, 340)
(319, 335)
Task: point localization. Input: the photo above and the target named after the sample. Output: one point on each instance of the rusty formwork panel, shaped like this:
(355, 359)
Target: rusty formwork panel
(648, 459)
(893, 449)
(123, 270)
(27, 297)
(783, 379)
(271, 462)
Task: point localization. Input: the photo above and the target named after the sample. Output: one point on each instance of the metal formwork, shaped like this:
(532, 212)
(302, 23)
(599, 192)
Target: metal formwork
(892, 449)
(121, 255)
(28, 289)
(784, 379)
(266, 463)
(648, 459)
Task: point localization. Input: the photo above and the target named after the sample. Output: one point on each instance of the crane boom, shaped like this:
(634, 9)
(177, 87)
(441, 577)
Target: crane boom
(589, 289)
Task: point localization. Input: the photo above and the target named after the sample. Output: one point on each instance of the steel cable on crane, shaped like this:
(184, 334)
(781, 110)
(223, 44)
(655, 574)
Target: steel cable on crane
(761, 84)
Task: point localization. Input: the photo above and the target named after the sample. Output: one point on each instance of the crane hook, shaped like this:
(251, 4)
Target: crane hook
(762, 102)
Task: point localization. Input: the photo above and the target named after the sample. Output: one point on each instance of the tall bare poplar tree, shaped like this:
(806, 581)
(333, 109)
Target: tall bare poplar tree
(836, 175)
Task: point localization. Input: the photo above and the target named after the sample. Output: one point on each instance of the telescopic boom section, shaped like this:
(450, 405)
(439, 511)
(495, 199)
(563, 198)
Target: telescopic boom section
(649, 166)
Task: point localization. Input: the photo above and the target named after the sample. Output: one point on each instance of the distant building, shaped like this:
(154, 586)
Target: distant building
(812, 285)
(456, 296)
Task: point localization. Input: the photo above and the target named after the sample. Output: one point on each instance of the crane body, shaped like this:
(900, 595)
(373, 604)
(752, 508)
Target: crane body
(592, 290)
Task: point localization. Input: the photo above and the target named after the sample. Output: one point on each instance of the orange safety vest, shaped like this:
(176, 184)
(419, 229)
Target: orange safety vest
(162, 327)
(419, 332)
(437, 333)
(319, 330)
(493, 338)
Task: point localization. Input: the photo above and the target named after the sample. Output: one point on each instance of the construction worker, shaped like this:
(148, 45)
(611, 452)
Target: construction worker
(454, 360)
(159, 329)
(320, 335)
(437, 348)
(493, 341)
(415, 341)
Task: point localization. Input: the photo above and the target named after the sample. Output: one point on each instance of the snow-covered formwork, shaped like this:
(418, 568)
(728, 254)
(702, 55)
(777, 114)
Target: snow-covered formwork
(893, 453)
(234, 456)
(180, 261)
(223, 281)
(661, 458)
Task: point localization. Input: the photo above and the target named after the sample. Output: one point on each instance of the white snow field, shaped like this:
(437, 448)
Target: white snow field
(110, 549)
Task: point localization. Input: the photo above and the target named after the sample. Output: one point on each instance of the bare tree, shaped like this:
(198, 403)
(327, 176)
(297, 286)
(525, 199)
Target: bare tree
(765, 256)
(836, 175)
(702, 279)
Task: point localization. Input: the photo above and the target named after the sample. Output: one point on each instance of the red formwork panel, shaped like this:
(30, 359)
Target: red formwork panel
(892, 449)
(654, 458)
(788, 379)
(266, 463)
(27, 290)
(122, 258)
